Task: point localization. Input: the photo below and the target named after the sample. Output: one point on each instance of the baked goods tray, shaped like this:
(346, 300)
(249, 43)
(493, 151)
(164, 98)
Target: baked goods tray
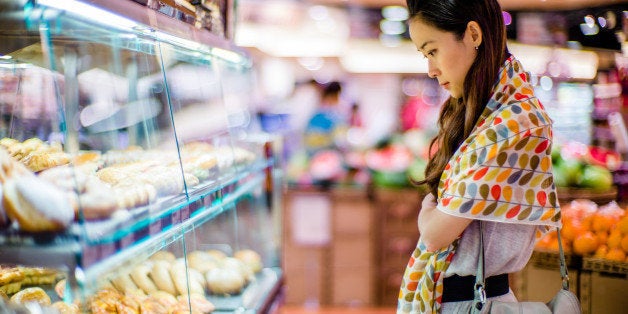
(254, 296)
(604, 266)
(166, 211)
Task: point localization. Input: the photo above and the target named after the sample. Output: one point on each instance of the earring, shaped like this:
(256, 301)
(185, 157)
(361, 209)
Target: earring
(477, 47)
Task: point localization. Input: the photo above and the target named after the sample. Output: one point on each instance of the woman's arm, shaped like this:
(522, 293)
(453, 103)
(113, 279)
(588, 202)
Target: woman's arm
(436, 228)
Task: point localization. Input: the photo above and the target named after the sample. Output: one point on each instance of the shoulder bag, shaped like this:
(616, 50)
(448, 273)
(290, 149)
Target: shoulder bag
(564, 302)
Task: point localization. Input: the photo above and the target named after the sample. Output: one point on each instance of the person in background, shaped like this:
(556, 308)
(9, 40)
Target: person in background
(327, 127)
(492, 165)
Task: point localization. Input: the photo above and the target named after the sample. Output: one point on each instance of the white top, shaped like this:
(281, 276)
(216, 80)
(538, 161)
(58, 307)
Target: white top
(507, 248)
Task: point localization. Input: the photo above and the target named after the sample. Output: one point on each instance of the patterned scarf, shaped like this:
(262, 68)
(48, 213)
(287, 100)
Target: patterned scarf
(502, 172)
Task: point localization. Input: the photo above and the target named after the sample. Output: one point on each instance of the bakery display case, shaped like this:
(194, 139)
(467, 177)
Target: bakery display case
(132, 177)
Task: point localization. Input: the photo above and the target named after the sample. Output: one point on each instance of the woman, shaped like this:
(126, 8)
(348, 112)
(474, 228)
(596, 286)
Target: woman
(492, 165)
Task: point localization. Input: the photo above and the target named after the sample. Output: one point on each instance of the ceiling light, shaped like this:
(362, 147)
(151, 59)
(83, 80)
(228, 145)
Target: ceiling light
(395, 13)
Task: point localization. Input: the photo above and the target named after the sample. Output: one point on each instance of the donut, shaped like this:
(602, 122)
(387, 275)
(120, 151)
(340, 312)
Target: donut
(160, 273)
(139, 274)
(36, 204)
(33, 294)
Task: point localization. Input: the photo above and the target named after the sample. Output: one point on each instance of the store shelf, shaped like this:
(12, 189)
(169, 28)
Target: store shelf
(605, 266)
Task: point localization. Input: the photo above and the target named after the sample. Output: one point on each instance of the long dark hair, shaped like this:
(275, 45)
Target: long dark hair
(459, 116)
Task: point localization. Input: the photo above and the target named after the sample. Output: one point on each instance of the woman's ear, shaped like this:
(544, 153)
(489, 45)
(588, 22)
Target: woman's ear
(475, 33)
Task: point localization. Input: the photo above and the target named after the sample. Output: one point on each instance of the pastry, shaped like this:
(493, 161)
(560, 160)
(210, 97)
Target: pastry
(124, 284)
(140, 277)
(219, 255)
(40, 160)
(250, 258)
(160, 273)
(164, 298)
(130, 195)
(36, 204)
(202, 261)
(33, 294)
(163, 256)
(151, 305)
(11, 288)
(60, 288)
(198, 302)
(182, 280)
(10, 274)
(224, 281)
(65, 308)
(238, 265)
(11, 168)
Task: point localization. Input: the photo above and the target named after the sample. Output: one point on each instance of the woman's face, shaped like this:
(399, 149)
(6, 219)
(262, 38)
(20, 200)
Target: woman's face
(448, 58)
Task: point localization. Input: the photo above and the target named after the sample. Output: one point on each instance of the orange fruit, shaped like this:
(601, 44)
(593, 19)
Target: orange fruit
(571, 229)
(585, 243)
(622, 225)
(624, 243)
(587, 222)
(614, 239)
(602, 236)
(617, 255)
(602, 222)
(601, 251)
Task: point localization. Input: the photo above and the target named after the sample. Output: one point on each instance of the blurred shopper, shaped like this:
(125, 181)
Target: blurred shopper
(493, 162)
(327, 128)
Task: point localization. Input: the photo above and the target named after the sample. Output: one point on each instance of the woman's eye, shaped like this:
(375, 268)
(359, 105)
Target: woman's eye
(431, 53)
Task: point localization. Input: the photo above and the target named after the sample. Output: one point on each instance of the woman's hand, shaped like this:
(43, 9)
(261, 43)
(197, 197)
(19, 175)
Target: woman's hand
(436, 228)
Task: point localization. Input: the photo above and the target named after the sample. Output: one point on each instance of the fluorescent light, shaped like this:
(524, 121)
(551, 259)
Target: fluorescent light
(91, 12)
(370, 56)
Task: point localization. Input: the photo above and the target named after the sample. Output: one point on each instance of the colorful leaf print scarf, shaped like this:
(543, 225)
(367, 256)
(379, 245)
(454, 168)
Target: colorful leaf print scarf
(502, 172)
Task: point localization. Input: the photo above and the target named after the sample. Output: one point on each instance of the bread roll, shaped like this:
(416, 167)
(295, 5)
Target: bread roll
(239, 266)
(224, 281)
(202, 261)
(36, 204)
(33, 294)
(250, 258)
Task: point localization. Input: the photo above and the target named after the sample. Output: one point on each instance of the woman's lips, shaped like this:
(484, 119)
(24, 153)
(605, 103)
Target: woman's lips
(445, 85)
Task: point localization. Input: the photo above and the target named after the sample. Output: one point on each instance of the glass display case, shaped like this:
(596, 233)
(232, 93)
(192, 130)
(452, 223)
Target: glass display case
(132, 177)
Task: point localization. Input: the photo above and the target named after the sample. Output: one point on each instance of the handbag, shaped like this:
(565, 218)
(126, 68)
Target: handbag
(564, 302)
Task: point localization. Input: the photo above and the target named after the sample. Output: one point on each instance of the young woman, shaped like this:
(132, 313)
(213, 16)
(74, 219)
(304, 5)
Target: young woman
(492, 165)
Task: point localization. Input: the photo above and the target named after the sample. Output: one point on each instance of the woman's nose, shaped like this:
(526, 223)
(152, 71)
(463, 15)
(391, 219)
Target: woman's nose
(432, 70)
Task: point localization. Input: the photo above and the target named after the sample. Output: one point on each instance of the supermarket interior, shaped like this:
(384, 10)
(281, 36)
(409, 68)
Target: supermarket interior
(248, 156)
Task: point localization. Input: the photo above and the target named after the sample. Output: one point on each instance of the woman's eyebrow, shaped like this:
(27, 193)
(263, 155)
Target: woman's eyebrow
(425, 44)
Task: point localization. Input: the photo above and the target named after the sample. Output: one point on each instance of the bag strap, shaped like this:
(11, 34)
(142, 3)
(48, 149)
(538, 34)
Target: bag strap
(480, 293)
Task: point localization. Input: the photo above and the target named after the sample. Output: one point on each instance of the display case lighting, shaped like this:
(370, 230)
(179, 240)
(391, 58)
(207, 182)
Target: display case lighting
(95, 14)
(104, 17)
